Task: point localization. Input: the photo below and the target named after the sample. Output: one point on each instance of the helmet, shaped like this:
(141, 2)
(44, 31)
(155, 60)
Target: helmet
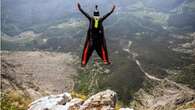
(96, 12)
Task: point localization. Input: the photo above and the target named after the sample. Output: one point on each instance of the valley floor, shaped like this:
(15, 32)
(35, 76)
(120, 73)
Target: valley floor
(38, 73)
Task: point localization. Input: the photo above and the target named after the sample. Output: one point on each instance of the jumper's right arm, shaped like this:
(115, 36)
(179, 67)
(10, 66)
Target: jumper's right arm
(82, 11)
(108, 14)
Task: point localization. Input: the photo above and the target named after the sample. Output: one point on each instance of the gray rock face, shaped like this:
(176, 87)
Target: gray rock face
(105, 100)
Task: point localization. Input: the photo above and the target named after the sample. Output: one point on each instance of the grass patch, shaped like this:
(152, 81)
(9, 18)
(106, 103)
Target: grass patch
(14, 100)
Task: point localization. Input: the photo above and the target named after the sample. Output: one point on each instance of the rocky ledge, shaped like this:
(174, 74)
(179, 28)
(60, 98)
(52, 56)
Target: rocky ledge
(105, 100)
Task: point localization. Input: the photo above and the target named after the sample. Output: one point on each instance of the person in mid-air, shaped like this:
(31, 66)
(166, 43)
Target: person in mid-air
(95, 36)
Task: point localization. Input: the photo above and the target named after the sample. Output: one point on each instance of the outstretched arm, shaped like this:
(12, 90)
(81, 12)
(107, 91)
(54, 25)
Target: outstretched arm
(83, 12)
(108, 14)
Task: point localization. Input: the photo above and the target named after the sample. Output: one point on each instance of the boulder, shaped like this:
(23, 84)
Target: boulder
(105, 100)
(53, 102)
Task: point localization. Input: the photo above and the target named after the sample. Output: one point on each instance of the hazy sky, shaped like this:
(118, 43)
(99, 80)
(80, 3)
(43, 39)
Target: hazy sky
(40, 10)
(43, 8)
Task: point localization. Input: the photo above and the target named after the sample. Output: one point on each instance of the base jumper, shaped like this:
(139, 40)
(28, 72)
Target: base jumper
(95, 36)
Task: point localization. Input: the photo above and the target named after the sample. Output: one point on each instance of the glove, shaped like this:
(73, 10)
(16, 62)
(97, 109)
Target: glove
(79, 6)
(113, 8)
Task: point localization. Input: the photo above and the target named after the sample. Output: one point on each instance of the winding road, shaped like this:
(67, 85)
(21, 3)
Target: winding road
(134, 54)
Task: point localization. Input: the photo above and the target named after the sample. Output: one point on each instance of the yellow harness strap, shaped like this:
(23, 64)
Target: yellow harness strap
(96, 22)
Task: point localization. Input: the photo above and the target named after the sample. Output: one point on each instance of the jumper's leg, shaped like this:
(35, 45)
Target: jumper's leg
(102, 51)
(87, 52)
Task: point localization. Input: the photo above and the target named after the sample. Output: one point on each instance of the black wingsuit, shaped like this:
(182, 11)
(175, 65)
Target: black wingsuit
(95, 38)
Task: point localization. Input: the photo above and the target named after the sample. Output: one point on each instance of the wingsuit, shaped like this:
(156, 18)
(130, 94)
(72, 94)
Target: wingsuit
(95, 36)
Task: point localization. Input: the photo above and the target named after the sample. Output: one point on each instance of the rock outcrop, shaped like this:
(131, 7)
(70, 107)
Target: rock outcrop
(105, 100)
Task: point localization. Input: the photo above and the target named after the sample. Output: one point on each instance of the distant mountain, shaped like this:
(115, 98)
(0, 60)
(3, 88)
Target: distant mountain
(19, 15)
